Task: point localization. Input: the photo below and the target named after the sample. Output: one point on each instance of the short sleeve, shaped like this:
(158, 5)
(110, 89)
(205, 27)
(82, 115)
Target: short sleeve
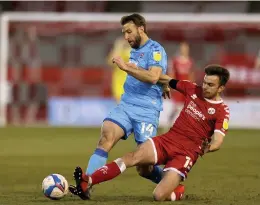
(222, 121)
(158, 58)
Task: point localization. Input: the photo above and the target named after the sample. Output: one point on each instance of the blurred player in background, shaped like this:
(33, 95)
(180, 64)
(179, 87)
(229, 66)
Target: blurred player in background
(181, 68)
(257, 61)
(26, 94)
(199, 129)
(120, 48)
(139, 109)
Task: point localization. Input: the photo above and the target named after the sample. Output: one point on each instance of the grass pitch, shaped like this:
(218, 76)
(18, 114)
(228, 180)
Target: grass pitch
(27, 155)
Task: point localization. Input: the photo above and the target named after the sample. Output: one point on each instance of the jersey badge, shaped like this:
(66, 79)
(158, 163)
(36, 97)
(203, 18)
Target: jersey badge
(211, 111)
(225, 124)
(157, 56)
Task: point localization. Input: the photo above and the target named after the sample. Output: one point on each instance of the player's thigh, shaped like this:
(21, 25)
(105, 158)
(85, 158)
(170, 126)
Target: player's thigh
(119, 117)
(181, 163)
(143, 155)
(116, 125)
(169, 182)
(111, 133)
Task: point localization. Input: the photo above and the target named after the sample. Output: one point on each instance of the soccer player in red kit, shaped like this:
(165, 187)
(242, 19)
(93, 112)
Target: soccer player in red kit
(181, 68)
(200, 128)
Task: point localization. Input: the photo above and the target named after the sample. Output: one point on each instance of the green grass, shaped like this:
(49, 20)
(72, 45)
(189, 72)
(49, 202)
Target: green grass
(228, 177)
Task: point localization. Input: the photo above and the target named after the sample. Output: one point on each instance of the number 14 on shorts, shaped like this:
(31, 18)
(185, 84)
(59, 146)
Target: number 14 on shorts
(147, 129)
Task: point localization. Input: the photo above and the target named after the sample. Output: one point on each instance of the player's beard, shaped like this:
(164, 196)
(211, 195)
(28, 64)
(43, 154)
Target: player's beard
(137, 41)
(210, 96)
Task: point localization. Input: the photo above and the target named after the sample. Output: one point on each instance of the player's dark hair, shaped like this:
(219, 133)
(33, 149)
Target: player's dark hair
(137, 19)
(220, 71)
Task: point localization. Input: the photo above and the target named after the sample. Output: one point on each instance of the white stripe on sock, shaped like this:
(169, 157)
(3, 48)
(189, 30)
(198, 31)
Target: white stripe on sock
(120, 163)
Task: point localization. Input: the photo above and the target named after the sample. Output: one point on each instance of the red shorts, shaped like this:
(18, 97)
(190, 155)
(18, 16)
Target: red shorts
(173, 155)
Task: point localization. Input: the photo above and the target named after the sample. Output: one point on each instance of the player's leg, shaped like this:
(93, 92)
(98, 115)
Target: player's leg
(175, 170)
(143, 131)
(166, 189)
(144, 154)
(115, 126)
(110, 135)
(151, 172)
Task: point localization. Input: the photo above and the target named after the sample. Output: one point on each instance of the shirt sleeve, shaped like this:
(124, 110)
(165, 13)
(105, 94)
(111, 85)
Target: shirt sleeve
(184, 86)
(158, 58)
(222, 121)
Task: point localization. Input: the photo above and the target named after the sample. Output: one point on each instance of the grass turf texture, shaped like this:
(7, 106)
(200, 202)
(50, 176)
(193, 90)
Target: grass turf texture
(27, 155)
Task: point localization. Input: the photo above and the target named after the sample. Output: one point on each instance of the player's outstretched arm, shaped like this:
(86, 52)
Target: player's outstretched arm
(217, 141)
(169, 81)
(149, 76)
(164, 79)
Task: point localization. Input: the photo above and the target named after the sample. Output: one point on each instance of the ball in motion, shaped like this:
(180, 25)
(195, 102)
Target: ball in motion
(55, 186)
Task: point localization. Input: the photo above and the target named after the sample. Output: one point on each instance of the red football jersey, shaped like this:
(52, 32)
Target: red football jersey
(181, 68)
(199, 118)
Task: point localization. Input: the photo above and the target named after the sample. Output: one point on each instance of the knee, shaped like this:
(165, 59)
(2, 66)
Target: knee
(159, 195)
(144, 171)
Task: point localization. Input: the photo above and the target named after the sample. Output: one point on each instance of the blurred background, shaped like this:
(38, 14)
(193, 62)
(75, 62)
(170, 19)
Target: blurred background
(60, 73)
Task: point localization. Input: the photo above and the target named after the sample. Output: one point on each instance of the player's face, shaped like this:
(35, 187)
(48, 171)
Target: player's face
(132, 34)
(211, 87)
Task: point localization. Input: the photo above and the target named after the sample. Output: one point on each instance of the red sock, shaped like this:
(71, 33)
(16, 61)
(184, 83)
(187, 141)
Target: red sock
(105, 173)
(178, 193)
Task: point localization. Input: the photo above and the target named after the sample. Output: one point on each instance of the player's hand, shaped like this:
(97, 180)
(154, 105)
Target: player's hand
(205, 146)
(166, 92)
(120, 63)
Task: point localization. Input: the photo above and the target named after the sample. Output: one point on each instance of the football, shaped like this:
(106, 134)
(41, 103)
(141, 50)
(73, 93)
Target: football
(55, 186)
